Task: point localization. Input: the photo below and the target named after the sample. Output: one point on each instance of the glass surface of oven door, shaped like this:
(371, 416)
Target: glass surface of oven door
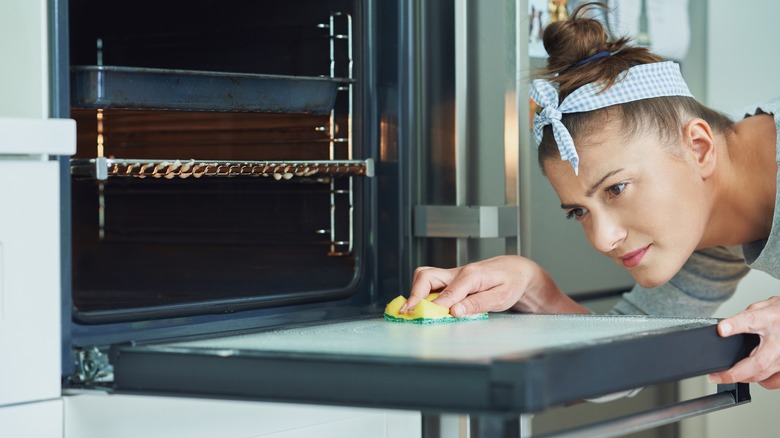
(501, 367)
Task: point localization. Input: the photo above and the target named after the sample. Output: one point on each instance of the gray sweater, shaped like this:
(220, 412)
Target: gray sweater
(710, 276)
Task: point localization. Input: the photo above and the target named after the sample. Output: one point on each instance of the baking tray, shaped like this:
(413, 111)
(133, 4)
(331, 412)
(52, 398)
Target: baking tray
(508, 364)
(106, 87)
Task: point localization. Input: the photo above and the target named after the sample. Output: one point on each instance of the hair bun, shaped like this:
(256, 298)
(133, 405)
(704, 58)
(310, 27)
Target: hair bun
(571, 41)
(581, 37)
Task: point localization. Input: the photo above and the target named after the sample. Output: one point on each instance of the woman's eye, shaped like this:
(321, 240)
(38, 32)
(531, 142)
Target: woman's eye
(576, 213)
(616, 189)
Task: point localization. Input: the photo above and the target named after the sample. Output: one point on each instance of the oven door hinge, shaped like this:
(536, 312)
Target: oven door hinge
(92, 368)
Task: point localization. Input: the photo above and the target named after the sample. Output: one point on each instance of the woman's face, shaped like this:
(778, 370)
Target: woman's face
(639, 204)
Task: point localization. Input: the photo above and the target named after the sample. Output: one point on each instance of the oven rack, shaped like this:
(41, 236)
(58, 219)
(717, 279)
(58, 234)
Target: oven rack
(101, 168)
(103, 87)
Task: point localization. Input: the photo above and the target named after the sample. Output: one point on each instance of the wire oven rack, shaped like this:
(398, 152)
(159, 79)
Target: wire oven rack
(102, 168)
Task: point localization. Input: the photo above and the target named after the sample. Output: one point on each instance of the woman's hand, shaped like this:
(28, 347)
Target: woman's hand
(492, 285)
(763, 364)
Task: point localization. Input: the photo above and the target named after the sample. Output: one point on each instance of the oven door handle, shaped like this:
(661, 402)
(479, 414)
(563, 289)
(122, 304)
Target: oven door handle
(726, 396)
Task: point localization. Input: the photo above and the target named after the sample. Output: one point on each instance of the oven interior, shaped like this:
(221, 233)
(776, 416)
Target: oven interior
(220, 165)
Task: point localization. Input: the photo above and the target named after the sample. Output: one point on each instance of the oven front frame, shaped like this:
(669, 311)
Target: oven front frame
(384, 92)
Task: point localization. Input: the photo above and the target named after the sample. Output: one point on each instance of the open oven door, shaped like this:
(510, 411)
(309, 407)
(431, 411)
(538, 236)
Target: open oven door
(496, 369)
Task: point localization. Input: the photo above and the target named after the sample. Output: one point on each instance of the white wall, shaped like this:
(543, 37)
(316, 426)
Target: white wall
(742, 68)
(743, 42)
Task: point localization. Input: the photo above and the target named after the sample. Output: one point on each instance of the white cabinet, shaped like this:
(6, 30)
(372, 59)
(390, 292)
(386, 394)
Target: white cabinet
(29, 281)
(101, 415)
(29, 213)
(30, 236)
(39, 420)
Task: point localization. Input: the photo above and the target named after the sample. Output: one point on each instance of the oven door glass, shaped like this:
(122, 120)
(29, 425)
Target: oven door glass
(506, 364)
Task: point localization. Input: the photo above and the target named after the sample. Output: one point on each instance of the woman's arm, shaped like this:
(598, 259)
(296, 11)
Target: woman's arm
(492, 285)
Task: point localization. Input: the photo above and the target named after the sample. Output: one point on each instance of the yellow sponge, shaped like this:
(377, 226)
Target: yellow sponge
(426, 312)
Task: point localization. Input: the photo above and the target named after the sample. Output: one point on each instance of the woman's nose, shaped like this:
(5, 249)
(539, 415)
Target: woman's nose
(606, 233)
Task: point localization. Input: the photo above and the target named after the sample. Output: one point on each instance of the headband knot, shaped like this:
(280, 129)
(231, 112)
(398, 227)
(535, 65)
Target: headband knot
(644, 81)
(548, 114)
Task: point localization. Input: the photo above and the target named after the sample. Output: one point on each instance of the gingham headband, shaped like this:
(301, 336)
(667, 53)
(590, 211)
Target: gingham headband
(643, 81)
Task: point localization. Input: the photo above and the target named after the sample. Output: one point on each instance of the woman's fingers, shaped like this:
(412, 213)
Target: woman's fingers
(751, 369)
(488, 286)
(772, 382)
(426, 280)
(469, 280)
(477, 287)
(494, 300)
(763, 364)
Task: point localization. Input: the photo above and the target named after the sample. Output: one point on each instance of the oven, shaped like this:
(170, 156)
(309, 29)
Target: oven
(247, 168)
(243, 165)
(227, 172)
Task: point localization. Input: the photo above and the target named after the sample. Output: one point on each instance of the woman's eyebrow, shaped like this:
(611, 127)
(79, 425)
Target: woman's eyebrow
(593, 188)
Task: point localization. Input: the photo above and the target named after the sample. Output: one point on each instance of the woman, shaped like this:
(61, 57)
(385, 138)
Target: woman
(676, 193)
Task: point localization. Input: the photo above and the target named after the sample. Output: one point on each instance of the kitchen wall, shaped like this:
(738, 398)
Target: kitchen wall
(742, 67)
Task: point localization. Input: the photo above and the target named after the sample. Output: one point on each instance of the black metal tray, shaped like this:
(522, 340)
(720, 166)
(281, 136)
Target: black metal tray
(508, 364)
(186, 90)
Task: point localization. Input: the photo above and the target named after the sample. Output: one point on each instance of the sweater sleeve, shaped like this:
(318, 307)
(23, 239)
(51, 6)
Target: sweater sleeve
(706, 280)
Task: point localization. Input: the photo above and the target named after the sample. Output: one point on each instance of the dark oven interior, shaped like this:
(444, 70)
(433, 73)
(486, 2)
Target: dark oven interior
(220, 165)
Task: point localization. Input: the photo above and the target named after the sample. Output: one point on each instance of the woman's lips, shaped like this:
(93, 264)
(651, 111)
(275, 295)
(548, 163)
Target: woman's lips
(634, 257)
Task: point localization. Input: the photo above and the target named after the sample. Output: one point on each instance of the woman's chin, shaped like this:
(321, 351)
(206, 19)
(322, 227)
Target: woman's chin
(650, 281)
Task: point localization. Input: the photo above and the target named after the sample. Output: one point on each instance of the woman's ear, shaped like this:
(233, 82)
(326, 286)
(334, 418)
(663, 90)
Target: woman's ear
(699, 144)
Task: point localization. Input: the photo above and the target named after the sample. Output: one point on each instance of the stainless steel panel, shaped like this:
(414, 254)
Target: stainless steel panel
(467, 221)
(469, 119)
